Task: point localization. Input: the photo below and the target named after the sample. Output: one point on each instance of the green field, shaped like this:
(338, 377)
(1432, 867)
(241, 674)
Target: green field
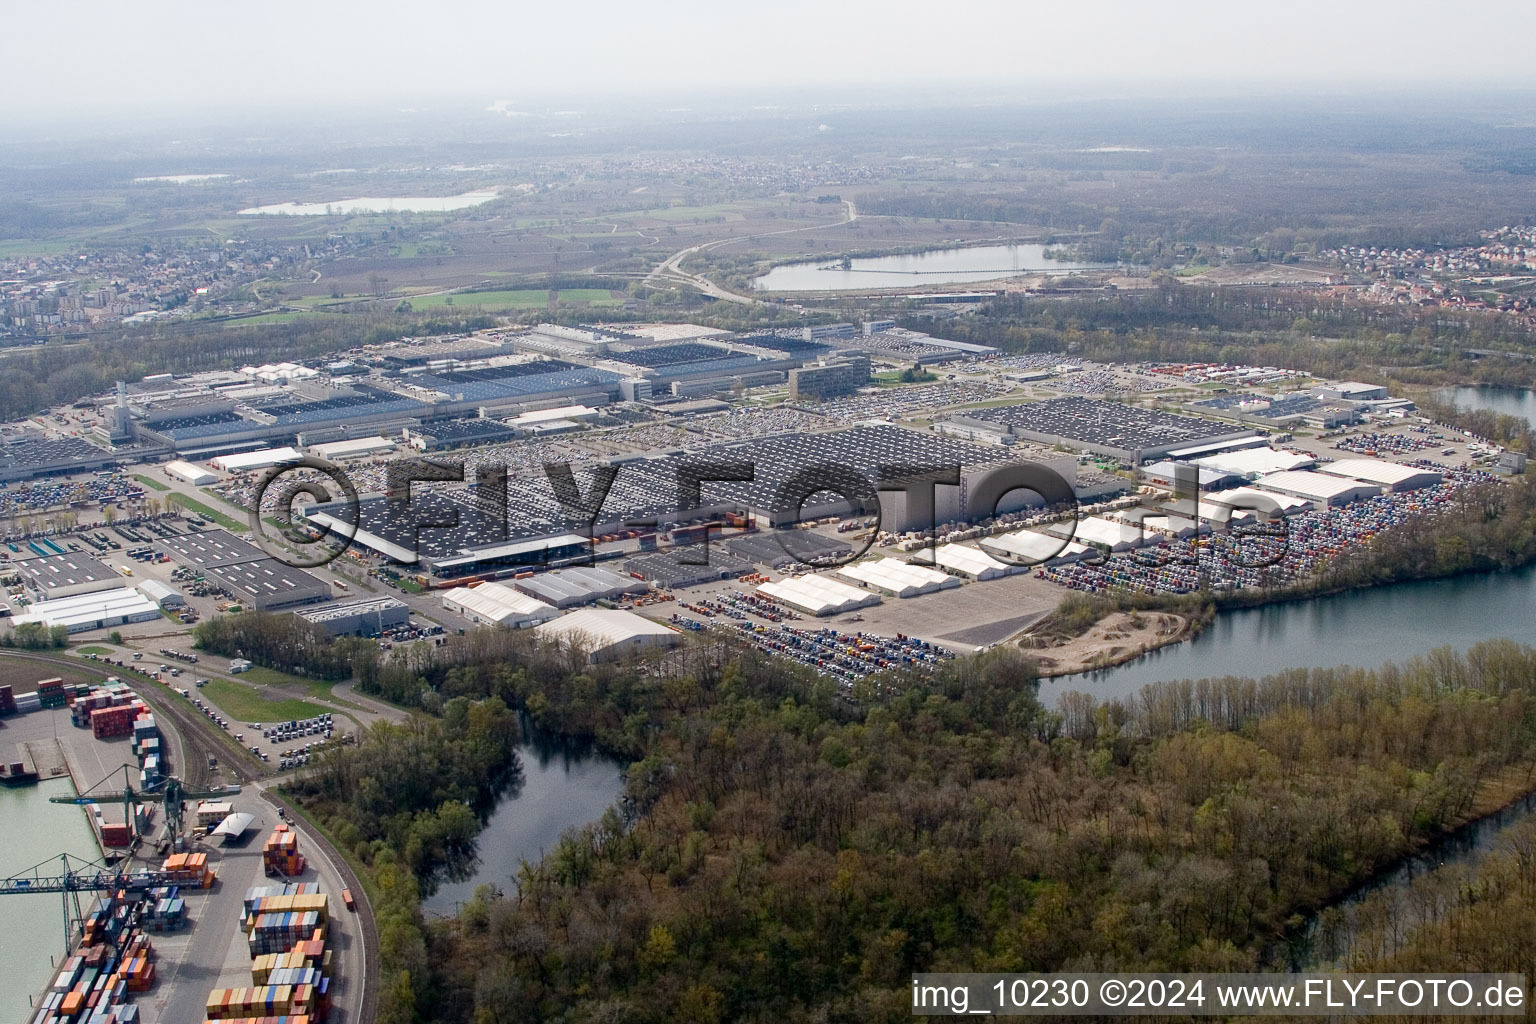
(150, 482)
(197, 507)
(245, 703)
(93, 650)
(520, 298)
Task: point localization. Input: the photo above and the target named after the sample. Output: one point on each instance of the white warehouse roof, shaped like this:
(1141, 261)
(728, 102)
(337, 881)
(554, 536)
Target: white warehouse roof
(159, 592)
(607, 630)
(1252, 462)
(498, 603)
(818, 595)
(353, 447)
(898, 578)
(1392, 475)
(1318, 487)
(92, 611)
(195, 475)
(972, 562)
(1031, 548)
(1251, 499)
(264, 459)
(1097, 530)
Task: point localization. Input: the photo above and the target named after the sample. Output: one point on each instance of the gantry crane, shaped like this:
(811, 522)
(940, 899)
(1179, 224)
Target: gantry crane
(169, 793)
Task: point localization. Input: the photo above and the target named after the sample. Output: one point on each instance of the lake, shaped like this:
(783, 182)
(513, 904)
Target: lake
(564, 784)
(939, 266)
(32, 927)
(1509, 401)
(342, 207)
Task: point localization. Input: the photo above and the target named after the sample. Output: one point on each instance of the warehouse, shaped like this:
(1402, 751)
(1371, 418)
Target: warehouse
(360, 616)
(246, 462)
(268, 585)
(186, 472)
(66, 574)
(1252, 463)
(818, 595)
(1393, 476)
(353, 448)
(669, 569)
(1029, 548)
(100, 610)
(970, 563)
(1101, 533)
(1321, 490)
(163, 594)
(1182, 474)
(608, 633)
(211, 547)
(496, 604)
(566, 588)
(1126, 432)
(897, 578)
(1252, 499)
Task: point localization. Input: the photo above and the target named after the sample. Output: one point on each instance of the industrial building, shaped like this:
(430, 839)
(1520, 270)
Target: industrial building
(837, 375)
(608, 633)
(1101, 533)
(1252, 463)
(1030, 548)
(360, 616)
(30, 454)
(1322, 490)
(268, 585)
(567, 588)
(99, 610)
(67, 574)
(210, 547)
(1393, 476)
(186, 472)
(818, 595)
(794, 477)
(353, 448)
(897, 578)
(1251, 499)
(495, 604)
(163, 594)
(1350, 391)
(266, 458)
(970, 562)
(1126, 432)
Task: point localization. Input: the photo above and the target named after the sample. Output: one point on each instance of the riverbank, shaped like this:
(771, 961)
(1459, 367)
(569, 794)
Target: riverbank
(1113, 640)
(1510, 787)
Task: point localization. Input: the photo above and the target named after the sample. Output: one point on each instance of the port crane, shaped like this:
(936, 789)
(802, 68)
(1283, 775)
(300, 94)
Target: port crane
(70, 876)
(169, 793)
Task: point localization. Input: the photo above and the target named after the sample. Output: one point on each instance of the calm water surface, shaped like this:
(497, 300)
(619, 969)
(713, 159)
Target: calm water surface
(940, 266)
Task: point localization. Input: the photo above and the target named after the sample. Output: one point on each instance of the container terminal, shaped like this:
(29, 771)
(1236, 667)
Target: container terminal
(206, 904)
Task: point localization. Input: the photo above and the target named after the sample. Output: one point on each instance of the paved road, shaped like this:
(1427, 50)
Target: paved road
(671, 270)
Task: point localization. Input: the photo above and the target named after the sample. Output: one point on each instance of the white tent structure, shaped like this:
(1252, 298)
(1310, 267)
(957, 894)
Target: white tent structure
(1252, 462)
(897, 578)
(971, 562)
(1028, 548)
(1101, 532)
(1322, 490)
(1253, 500)
(1392, 475)
(606, 633)
(818, 595)
(495, 604)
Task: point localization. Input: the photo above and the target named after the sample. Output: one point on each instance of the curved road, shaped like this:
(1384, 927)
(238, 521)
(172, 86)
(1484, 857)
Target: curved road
(671, 270)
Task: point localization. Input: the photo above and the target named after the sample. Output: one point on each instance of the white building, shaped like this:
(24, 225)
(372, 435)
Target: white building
(101, 610)
(1102, 533)
(245, 462)
(185, 471)
(1029, 548)
(818, 595)
(1253, 462)
(608, 633)
(1321, 490)
(1245, 500)
(162, 594)
(971, 562)
(353, 448)
(1391, 475)
(897, 578)
(495, 604)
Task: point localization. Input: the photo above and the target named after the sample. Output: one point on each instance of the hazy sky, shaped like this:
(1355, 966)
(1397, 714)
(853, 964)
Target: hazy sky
(95, 56)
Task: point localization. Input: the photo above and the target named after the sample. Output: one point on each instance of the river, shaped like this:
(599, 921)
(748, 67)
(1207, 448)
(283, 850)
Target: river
(920, 269)
(33, 830)
(564, 784)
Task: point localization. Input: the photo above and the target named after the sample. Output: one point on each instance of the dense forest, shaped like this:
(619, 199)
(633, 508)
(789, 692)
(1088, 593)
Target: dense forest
(793, 853)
